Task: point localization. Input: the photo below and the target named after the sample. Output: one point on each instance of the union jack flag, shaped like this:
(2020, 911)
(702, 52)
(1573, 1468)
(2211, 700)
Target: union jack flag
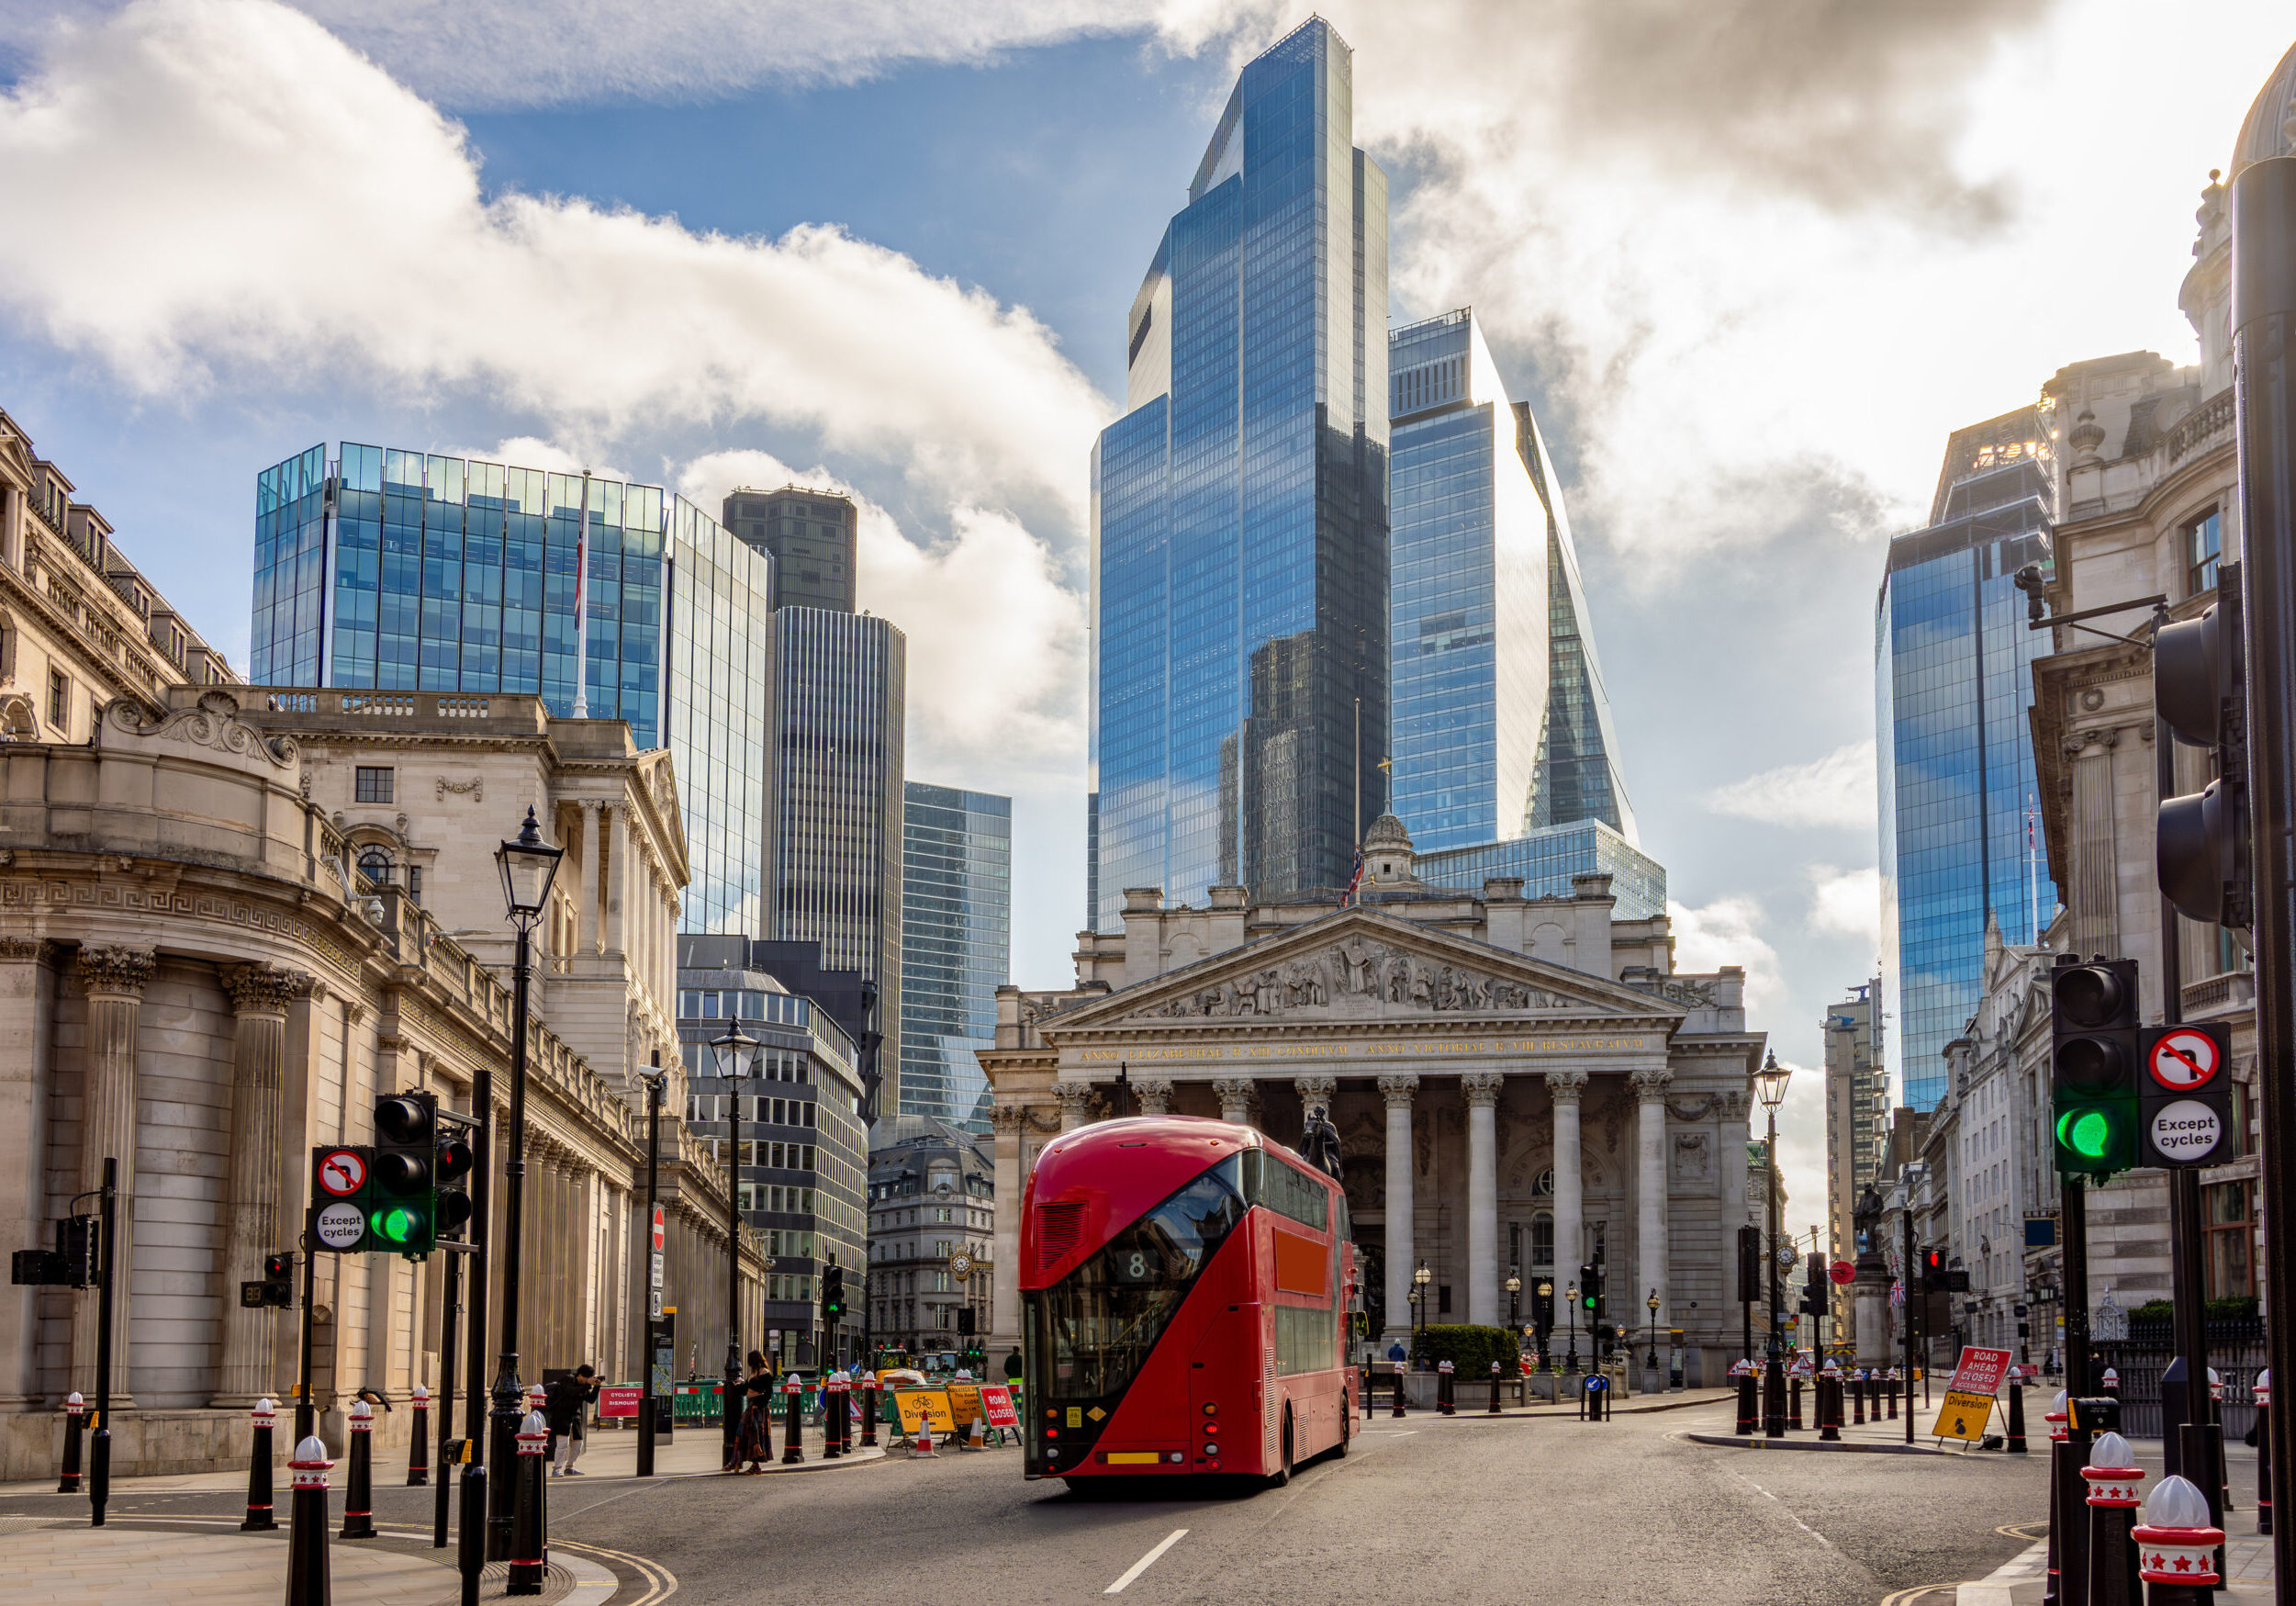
(1355, 879)
(1897, 1294)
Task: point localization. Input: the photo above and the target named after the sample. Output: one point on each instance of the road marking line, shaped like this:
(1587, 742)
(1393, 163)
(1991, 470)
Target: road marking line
(1790, 1515)
(1145, 1562)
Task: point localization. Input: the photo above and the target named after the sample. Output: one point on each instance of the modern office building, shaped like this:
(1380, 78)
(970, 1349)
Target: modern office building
(1500, 720)
(401, 571)
(955, 947)
(1239, 512)
(803, 1165)
(932, 1197)
(814, 538)
(1951, 662)
(834, 840)
(1857, 1114)
(1547, 860)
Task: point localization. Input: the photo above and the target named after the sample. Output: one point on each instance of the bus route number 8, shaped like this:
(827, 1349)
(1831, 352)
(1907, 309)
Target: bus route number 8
(1135, 1263)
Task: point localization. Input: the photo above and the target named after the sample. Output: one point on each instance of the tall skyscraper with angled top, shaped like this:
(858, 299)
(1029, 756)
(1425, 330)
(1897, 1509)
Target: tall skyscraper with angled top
(1239, 512)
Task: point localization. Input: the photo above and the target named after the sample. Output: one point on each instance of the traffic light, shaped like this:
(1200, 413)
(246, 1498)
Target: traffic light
(2093, 1067)
(1749, 1265)
(2185, 1108)
(833, 1292)
(1815, 1291)
(1932, 1270)
(2202, 841)
(450, 1166)
(277, 1289)
(403, 1214)
(1590, 1289)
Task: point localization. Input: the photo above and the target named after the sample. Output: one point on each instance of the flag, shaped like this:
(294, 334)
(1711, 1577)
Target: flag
(1355, 879)
(1897, 1294)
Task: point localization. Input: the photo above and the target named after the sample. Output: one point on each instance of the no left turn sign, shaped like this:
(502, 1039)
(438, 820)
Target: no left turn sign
(2182, 1061)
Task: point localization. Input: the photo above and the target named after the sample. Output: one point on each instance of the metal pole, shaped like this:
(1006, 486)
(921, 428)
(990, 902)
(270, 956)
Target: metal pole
(305, 1412)
(450, 1310)
(100, 1452)
(2263, 325)
(653, 1199)
(734, 1261)
(1774, 1367)
(476, 1496)
(1906, 1283)
(2077, 1380)
(507, 1414)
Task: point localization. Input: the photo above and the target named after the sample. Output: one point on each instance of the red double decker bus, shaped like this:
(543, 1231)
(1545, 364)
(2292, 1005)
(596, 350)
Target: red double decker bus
(1185, 1291)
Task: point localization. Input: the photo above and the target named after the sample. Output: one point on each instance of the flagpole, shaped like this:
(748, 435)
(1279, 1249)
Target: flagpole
(581, 607)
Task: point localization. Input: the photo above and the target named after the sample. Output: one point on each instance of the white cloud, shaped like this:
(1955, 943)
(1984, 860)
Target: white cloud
(1836, 791)
(226, 192)
(1846, 903)
(995, 644)
(1728, 932)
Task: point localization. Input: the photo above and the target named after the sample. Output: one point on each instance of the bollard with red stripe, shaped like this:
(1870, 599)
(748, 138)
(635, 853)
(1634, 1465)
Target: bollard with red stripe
(2056, 1419)
(306, 1543)
(869, 1408)
(2176, 1545)
(2016, 1414)
(793, 1434)
(833, 1418)
(260, 1519)
(1794, 1406)
(1894, 1381)
(1746, 1406)
(358, 1498)
(1398, 1410)
(2111, 1384)
(1857, 1398)
(74, 1424)
(1494, 1390)
(2116, 1487)
(1829, 1403)
(2264, 1451)
(418, 1457)
(530, 1544)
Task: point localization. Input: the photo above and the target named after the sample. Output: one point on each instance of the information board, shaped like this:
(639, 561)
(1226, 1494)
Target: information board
(619, 1400)
(964, 1403)
(996, 1399)
(1980, 1371)
(1963, 1416)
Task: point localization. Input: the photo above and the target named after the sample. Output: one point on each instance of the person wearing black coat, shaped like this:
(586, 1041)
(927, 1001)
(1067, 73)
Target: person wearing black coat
(563, 1406)
(753, 1435)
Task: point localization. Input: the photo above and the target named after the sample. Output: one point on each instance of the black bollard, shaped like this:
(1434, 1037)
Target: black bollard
(2264, 1452)
(470, 1554)
(1746, 1406)
(833, 1401)
(1857, 1399)
(530, 1546)
(2052, 1594)
(1892, 1392)
(2017, 1416)
(871, 1391)
(358, 1499)
(1829, 1413)
(74, 1423)
(2115, 1484)
(1794, 1406)
(1398, 1410)
(1494, 1390)
(418, 1457)
(1445, 1380)
(2176, 1545)
(260, 1519)
(793, 1434)
(307, 1544)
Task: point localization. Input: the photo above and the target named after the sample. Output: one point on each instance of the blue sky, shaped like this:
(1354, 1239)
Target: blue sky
(1751, 262)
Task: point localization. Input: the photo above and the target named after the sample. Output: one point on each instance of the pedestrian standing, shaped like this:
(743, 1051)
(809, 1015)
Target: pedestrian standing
(564, 1406)
(752, 1439)
(1013, 1367)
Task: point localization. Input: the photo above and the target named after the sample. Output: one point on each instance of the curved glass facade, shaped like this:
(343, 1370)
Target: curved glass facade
(955, 947)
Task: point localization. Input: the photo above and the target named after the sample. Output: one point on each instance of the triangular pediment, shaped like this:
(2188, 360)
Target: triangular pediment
(1359, 966)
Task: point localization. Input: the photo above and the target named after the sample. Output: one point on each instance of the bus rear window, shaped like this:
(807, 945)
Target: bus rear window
(1273, 1183)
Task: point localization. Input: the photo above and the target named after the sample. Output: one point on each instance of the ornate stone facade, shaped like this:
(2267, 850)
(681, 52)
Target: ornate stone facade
(1496, 1111)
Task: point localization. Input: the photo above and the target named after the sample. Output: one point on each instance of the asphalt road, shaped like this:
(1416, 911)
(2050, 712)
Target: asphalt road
(1457, 1510)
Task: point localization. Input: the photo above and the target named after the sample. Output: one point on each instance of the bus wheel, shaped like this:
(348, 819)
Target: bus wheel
(1347, 1425)
(1284, 1475)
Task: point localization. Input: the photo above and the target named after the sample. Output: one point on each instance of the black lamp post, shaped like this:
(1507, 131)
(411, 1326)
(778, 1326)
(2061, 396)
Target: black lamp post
(735, 1052)
(1542, 1318)
(1515, 1299)
(1771, 1087)
(1570, 1297)
(1420, 1278)
(529, 867)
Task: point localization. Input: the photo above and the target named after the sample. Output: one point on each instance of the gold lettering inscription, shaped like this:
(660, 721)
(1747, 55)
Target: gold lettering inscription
(1147, 1053)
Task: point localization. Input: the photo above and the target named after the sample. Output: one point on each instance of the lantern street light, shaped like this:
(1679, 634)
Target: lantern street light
(1570, 1297)
(1542, 1318)
(736, 1052)
(1770, 1085)
(529, 865)
(1420, 1278)
(1515, 1299)
(1653, 1302)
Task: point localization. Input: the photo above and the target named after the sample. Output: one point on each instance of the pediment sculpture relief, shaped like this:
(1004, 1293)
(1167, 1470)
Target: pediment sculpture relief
(1356, 977)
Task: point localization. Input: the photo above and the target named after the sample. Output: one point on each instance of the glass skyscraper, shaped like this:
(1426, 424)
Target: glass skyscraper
(1239, 511)
(1547, 858)
(839, 723)
(410, 572)
(955, 947)
(1953, 684)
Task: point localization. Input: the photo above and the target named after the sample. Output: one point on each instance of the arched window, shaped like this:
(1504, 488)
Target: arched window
(374, 865)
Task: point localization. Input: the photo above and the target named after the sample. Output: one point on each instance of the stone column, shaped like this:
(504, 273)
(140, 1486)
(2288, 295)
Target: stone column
(584, 852)
(114, 979)
(1480, 1090)
(1155, 1094)
(613, 830)
(1237, 1095)
(1076, 1104)
(1736, 1212)
(1009, 1121)
(260, 996)
(1401, 1236)
(28, 1099)
(1650, 1159)
(1570, 1216)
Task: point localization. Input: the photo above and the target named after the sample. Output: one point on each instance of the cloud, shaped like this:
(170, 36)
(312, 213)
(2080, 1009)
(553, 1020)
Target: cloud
(1846, 903)
(1728, 932)
(995, 643)
(230, 195)
(1837, 791)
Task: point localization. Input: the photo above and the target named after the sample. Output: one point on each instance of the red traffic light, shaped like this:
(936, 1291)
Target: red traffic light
(455, 1162)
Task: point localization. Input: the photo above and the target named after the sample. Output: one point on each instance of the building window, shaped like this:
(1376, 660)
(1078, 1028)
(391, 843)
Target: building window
(2203, 544)
(941, 1213)
(373, 783)
(375, 866)
(940, 1247)
(2231, 1235)
(59, 698)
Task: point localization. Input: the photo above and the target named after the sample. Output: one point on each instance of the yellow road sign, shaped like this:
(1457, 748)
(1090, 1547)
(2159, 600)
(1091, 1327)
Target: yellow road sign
(922, 1407)
(1964, 1416)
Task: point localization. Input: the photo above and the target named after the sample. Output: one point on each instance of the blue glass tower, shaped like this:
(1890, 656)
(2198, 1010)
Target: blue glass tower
(955, 947)
(1953, 684)
(410, 572)
(1239, 511)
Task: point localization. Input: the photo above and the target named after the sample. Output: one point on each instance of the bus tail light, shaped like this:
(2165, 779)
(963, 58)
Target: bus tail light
(1210, 1409)
(1211, 1427)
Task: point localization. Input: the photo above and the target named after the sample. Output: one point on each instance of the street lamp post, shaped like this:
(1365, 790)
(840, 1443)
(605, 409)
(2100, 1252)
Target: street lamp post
(1570, 1297)
(735, 1052)
(1652, 1360)
(529, 865)
(1770, 1086)
(1420, 1278)
(1542, 1318)
(1515, 1299)
(655, 1080)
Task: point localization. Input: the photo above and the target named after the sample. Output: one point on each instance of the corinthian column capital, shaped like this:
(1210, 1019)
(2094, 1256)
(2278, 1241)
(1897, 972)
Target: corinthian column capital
(1155, 1094)
(1566, 1086)
(263, 989)
(1651, 1086)
(1317, 1090)
(1481, 1088)
(121, 972)
(1398, 1091)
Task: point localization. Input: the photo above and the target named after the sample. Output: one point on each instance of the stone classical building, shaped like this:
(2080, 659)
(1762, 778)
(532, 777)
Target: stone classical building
(932, 1197)
(1857, 1100)
(1518, 1082)
(199, 980)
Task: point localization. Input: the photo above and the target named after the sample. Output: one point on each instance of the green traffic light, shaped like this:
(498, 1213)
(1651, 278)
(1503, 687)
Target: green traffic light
(400, 1225)
(2087, 1133)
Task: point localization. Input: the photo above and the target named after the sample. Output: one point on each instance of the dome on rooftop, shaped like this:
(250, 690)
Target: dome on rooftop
(2269, 128)
(1386, 831)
